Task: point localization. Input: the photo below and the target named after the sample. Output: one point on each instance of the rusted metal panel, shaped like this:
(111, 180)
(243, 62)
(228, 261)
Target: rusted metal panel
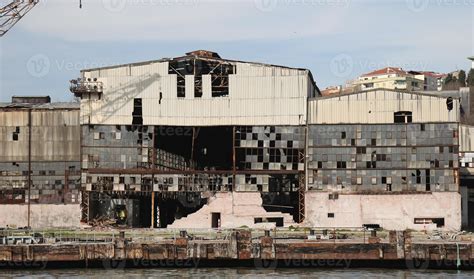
(134, 251)
(155, 251)
(244, 244)
(56, 252)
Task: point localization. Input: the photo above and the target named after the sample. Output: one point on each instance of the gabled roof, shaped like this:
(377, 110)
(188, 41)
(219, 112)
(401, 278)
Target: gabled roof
(427, 73)
(205, 55)
(416, 93)
(385, 71)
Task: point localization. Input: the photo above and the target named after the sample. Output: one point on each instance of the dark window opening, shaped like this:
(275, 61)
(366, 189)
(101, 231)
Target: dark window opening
(279, 199)
(15, 136)
(403, 117)
(216, 220)
(343, 135)
(428, 180)
(341, 165)
(137, 112)
(218, 70)
(330, 215)
(426, 221)
(422, 127)
(277, 220)
(220, 79)
(417, 174)
(449, 103)
(181, 86)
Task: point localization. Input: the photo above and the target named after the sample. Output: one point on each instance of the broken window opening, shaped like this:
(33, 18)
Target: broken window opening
(281, 201)
(218, 70)
(427, 221)
(449, 103)
(137, 112)
(403, 117)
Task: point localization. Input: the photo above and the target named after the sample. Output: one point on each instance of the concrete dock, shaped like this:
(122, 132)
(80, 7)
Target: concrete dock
(260, 249)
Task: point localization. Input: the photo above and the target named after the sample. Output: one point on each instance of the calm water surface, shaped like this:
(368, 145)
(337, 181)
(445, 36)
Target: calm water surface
(232, 273)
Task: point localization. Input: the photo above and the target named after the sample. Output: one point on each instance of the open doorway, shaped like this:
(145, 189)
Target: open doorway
(216, 220)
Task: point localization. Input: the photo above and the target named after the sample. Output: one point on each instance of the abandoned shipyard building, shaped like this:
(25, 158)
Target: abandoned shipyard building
(204, 142)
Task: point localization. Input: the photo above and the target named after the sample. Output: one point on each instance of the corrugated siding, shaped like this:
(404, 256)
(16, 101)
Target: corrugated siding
(257, 70)
(379, 107)
(272, 96)
(466, 139)
(55, 136)
(206, 86)
(189, 89)
(160, 68)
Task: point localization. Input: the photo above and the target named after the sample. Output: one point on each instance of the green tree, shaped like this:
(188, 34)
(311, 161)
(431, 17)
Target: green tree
(462, 78)
(450, 83)
(448, 79)
(470, 78)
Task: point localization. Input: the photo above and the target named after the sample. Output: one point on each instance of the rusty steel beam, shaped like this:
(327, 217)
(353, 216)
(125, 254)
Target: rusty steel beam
(11, 13)
(156, 171)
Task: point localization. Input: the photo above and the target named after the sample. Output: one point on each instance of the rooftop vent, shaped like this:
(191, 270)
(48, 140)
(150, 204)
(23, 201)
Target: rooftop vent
(31, 99)
(204, 53)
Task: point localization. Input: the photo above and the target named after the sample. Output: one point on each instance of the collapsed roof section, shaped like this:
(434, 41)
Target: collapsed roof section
(199, 88)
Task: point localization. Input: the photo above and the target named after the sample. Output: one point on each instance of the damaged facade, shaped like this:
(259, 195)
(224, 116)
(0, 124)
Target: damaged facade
(204, 142)
(39, 163)
(173, 138)
(384, 158)
(167, 136)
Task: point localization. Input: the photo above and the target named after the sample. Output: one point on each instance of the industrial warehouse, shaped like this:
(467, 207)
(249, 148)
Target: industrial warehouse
(204, 142)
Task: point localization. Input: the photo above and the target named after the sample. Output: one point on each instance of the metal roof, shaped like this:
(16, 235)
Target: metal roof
(383, 89)
(193, 55)
(47, 106)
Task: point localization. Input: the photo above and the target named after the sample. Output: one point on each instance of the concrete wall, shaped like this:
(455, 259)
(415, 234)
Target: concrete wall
(42, 215)
(237, 209)
(392, 212)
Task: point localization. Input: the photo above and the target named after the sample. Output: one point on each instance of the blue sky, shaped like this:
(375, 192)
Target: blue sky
(336, 39)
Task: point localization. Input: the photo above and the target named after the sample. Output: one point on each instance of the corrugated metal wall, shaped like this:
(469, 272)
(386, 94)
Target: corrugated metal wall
(379, 107)
(55, 135)
(258, 95)
(466, 138)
